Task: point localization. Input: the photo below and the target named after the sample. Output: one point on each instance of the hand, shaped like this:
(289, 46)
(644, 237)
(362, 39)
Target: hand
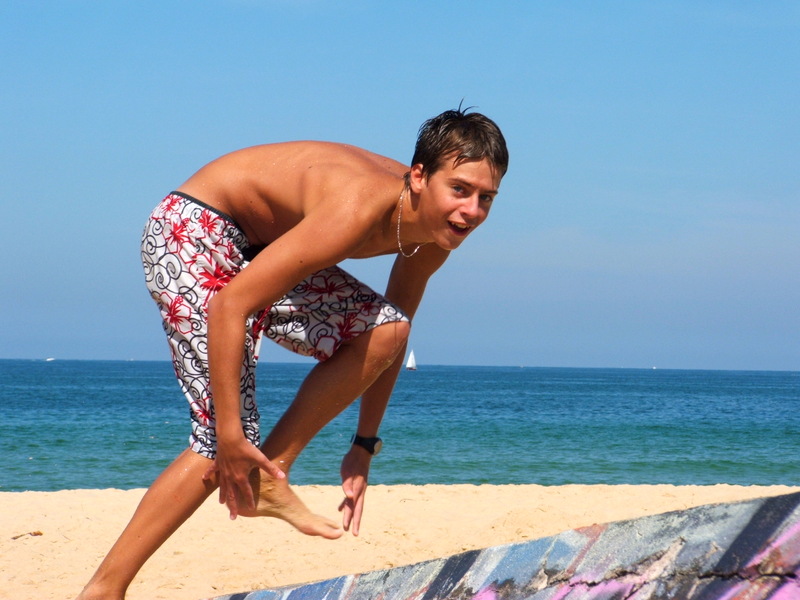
(233, 465)
(355, 472)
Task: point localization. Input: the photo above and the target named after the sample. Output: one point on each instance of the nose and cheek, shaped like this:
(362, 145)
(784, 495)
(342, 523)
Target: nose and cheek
(472, 211)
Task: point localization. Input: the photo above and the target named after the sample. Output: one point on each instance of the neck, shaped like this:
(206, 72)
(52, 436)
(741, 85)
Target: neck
(405, 193)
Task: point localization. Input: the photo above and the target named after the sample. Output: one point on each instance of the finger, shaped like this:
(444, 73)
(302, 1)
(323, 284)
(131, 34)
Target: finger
(350, 487)
(265, 464)
(210, 471)
(346, 506)
(233, 506)
(245, 492)
(357, 511)
(223, 490)
(347, 514)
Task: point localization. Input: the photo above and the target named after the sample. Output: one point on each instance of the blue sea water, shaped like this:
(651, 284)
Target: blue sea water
(103, 424)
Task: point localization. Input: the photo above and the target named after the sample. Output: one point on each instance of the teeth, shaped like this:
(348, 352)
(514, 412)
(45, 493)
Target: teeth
(459, 226)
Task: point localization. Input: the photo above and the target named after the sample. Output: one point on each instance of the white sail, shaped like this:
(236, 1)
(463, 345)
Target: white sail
(411, 365)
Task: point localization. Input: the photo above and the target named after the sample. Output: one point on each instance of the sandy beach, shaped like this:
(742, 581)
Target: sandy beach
(51, 542)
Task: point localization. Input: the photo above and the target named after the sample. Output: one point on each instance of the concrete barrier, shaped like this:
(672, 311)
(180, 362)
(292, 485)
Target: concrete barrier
(735, 551)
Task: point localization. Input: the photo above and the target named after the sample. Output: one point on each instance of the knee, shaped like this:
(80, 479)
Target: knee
(386, 341)
(397, 335)
(391, 338)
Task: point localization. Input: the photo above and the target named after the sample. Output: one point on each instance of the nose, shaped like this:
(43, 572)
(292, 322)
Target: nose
(472, 211)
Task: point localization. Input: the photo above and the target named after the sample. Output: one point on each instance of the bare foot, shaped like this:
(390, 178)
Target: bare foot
(276, 499)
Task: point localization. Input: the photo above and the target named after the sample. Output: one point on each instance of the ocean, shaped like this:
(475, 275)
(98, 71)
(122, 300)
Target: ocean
(117, 424)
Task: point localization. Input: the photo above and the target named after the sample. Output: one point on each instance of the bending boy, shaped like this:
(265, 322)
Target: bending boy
(247, 247)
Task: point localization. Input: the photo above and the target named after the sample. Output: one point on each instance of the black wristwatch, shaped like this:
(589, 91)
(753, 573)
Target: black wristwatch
(372, 445)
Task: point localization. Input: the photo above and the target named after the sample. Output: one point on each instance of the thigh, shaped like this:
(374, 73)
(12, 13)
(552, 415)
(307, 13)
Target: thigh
(189, 253)
(328, 308)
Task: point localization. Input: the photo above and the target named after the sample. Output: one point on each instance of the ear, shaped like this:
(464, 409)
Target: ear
(417, 178)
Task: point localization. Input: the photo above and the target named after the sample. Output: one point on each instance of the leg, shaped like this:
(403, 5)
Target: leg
(329, 388)
(174, 496)
(179, 490)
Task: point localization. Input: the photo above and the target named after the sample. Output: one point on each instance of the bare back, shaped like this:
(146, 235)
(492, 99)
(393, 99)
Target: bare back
(269, 189)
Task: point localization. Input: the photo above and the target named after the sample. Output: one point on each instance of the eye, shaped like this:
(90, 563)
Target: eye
(487, 198)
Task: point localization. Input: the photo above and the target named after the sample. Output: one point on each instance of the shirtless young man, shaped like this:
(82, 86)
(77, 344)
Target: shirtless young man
(248, 246)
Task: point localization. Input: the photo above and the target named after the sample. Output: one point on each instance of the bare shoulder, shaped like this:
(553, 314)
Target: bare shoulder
(309, 172)
(300, 156)
(269, 167)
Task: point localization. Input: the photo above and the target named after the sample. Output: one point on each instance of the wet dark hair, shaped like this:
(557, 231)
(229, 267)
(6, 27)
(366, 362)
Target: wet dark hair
(470, 136)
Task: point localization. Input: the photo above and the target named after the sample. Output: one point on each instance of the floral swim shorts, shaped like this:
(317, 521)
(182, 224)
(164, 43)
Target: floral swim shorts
(189, 252)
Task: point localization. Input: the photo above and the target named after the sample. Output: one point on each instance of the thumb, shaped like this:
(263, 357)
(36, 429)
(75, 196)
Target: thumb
(347, 486)
(271, 468)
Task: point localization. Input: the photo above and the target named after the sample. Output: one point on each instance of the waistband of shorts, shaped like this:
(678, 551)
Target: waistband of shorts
(249, 251)
(202, 204)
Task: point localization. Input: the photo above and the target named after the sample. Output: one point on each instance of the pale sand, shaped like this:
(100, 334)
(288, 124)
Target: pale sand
(211, 555)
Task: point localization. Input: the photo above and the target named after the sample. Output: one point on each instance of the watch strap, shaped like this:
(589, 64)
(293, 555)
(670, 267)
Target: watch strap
(370, 444)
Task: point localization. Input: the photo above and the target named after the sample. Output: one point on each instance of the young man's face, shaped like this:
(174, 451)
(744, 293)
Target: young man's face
(455, 199)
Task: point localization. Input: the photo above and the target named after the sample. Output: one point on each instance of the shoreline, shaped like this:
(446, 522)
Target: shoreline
(51, 542)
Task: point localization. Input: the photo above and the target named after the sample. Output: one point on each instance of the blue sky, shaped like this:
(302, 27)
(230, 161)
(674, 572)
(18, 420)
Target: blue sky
(650, 216)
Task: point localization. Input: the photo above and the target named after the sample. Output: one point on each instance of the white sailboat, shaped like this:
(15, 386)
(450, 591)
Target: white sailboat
(411, 365)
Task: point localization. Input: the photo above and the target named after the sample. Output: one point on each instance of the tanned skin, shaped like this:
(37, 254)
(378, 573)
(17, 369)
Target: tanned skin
(311, 205)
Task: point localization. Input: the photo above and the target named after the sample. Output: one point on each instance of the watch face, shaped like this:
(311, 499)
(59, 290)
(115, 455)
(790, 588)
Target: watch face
(377, 448)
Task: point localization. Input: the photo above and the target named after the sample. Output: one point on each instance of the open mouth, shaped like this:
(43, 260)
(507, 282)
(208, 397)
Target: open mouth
(459, 228)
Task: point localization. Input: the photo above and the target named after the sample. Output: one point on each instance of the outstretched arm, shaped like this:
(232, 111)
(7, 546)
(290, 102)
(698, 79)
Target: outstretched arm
(310, 245)
(406, 287)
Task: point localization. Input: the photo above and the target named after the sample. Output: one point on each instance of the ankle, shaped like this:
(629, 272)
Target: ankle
(98, 590)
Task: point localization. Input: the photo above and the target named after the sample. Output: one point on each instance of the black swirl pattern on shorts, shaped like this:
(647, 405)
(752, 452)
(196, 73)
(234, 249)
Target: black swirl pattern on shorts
(189, 253)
